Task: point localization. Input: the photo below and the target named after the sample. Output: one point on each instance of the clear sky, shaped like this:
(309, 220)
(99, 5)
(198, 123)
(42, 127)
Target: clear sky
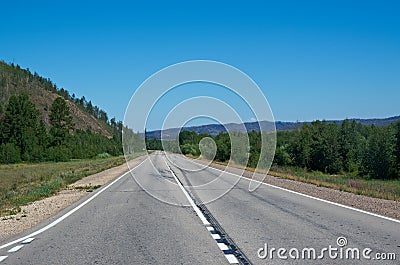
(312, 59)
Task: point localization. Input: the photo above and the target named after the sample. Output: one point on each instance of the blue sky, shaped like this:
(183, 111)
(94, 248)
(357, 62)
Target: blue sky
(312, 59)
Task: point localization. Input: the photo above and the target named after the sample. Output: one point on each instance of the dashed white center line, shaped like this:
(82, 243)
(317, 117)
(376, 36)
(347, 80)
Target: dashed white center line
(231, 259)
(28, 240)
(15, 249)
(222, 246)
(215, 236)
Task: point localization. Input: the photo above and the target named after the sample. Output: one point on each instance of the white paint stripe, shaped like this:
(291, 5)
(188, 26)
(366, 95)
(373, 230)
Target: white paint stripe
(231, 259)
(308, 196)
(216, 236)
(37, 232)
(194, 206)
(15, 249)
(222, 246)
(3, 258)
(27, 241)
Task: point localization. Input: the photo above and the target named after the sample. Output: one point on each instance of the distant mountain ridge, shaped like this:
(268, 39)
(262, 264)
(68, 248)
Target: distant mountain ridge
(215, 129)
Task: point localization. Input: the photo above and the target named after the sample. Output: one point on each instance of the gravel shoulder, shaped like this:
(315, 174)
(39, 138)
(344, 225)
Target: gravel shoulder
(383, 207)
(38, 211)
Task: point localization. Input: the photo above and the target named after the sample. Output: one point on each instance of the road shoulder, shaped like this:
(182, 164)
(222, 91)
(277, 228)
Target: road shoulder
(378, 206)
(39, 211)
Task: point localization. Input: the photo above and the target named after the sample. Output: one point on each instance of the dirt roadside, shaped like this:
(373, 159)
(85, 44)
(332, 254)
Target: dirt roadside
(37, 211)
(383, 207)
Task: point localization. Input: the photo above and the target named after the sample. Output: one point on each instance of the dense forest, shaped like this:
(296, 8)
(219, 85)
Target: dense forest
(24, 137)
(349, 147)
(43, 129)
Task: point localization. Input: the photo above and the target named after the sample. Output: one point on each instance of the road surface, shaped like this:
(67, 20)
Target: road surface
(171, 210)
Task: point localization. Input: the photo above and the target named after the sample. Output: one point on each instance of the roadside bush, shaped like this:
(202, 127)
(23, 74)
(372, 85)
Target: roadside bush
(103, 155)
(9, 153)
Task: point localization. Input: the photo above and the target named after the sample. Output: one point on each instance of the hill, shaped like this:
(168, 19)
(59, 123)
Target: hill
(42, 92)
(215, 129)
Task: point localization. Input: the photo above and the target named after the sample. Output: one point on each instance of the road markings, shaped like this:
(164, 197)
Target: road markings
(194, 206)
(222, 246)
(3, 258)
(216, 236)
(307, 196)
(15, 249)
(28, 240)
(47, 227)
(230, 257)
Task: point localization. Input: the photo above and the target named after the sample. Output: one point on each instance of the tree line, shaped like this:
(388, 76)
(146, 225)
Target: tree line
(24, 136)
(349, 147)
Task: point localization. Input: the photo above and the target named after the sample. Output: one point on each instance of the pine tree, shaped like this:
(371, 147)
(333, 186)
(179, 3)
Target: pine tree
(397, 147)
(23, 128)
(378, 161)
(60, 121)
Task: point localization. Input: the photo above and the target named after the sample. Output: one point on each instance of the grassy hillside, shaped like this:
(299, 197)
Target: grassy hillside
(41, 122)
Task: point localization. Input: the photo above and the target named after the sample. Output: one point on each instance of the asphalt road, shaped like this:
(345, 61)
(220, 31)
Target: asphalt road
(147, 218)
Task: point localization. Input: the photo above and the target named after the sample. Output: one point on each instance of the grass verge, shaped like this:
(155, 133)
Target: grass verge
(23, 183)
(382, 189)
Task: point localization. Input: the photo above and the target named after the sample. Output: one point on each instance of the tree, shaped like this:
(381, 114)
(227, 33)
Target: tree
(351, 145)
(379, 158)
(23, 128)
(60, 120)
(397, 148)
(223, 143)
(300, 147)
(187, 137)
(103, 116)
(9, 153)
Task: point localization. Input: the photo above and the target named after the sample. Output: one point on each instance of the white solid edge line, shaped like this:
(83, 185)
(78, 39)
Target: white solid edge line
(231, 258)
(3, 258)
(68, 213)
(15, 249)
(194, 206)
(308, 196)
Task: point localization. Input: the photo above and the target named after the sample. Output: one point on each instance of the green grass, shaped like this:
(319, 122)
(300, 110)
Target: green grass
(383, 189)
(23, 183)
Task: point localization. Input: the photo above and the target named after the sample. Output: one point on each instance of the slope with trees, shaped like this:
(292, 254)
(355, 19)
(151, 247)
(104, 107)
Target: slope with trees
(41, 122)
